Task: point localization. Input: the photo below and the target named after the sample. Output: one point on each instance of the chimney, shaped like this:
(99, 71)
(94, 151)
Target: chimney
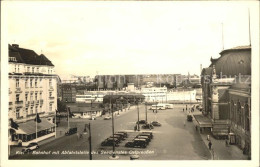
(15, 45)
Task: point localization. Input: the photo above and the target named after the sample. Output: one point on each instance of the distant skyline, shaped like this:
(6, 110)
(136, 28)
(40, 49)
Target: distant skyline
(86, 38)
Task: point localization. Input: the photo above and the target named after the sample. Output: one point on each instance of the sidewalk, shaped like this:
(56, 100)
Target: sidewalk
(219, 149)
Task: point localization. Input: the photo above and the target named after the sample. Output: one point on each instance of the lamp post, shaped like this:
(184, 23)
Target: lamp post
(146, 111)
(90, 145)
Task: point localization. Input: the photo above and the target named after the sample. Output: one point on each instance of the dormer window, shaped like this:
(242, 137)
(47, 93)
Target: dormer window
(12, 59)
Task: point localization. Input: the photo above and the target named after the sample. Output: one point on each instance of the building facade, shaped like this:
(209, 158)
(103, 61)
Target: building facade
(32, 92)
(226, 93)
(68, 92)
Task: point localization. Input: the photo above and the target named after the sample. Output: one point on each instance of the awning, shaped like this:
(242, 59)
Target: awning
(204, 122)
(29, 127)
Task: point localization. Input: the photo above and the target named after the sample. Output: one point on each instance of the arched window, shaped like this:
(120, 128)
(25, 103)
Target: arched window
(247, 117)
(239, 115)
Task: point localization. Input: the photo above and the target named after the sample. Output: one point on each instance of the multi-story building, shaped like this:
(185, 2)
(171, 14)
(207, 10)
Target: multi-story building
(68, 92)
(32, 92)
(226, 91)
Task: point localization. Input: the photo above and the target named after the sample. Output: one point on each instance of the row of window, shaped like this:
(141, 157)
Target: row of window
(240, 115)
(31, 69)
(17, 82)
(17, 98)
(31, 110)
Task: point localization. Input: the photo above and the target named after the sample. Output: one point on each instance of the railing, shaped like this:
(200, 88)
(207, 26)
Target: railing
(40, 113)
(18, 90)
(51, 98)
(18, 102)
(29, 115)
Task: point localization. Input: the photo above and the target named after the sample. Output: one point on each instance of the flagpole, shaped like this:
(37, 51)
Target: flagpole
(56, 123)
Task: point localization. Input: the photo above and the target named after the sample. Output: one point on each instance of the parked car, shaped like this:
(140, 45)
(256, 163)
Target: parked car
(124, 133)
(147, 139)
(147, 126)
(189, 118)
(156, 123)
(71, 131)
(136, 143)
(121, 135)
(107, 117)
(141, 122)
(30, 147)
(109, 142)
(148, 134)
(145, 135)
(92, 118)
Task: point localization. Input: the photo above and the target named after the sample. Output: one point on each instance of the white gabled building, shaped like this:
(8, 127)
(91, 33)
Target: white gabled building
(32, 91)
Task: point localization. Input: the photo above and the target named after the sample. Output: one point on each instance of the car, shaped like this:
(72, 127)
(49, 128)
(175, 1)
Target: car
(109, 142)
(147, 126)
(156, 123)
(122, 132)
(141, 122)
(30, 147)
(92, 118)
(71, 131)
(136, 143)
(147, 139)
(189, 117)
(147, 134)
(121, 135)
(107, 118)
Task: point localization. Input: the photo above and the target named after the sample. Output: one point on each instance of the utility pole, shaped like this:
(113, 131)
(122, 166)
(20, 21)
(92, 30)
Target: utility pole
(138, 127)
(113, 132)
(90, 145)
(145, 111)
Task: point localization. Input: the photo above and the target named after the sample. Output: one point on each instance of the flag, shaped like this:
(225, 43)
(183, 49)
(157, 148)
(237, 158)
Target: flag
(37, 118)
(13, 124)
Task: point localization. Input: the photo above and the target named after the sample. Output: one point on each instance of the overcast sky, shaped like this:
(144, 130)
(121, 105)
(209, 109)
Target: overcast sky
(128, 38)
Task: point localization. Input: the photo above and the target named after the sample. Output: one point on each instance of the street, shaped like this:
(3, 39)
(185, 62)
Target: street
(174, 140)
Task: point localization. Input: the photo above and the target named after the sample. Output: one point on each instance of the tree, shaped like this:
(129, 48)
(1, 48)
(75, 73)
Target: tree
(61, 106)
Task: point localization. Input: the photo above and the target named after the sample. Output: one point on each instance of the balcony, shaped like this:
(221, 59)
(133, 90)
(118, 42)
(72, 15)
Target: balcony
(51, 88)
(10, 103)
(41, 101)
(51, 113)
(51, 98)
(10, 91)
(37, 102)
(32, 102)
(41, 113)
(19, 103)
(19, 118)
(27, 103)
(18, 90)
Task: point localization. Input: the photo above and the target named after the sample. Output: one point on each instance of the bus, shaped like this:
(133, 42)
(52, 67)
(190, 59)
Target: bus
(169, 106)
(158, 107)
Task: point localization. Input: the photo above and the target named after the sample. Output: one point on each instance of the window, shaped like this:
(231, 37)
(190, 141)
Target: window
(50, 93)
(31, 97)
(17, 97)
(50, 82)
(17, 83)
(40, 108)
(31, 110)
(37, 69)
(28, 69)
(35, 83)
(17, 113)
(15, 68)
(50, 107)
(26, 83)
(26, 97)
(36, 109)
(26, 110)
(31, 83)
(239, 121)
(32, 69)
(40, 82)
(247, 118)
(35, 96)
(40, 95)
(18, 69)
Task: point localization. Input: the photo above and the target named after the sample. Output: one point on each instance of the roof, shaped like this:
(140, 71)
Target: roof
(29, 127)
(28, 56)
(246, 47)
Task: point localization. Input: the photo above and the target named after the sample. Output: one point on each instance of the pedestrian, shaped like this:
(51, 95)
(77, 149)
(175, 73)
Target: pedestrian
(183, 110)
(196, 127)
(210, 145)
(78, 135)
(226, 142)
(135, 128)
(186, 107)
(208, 138)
